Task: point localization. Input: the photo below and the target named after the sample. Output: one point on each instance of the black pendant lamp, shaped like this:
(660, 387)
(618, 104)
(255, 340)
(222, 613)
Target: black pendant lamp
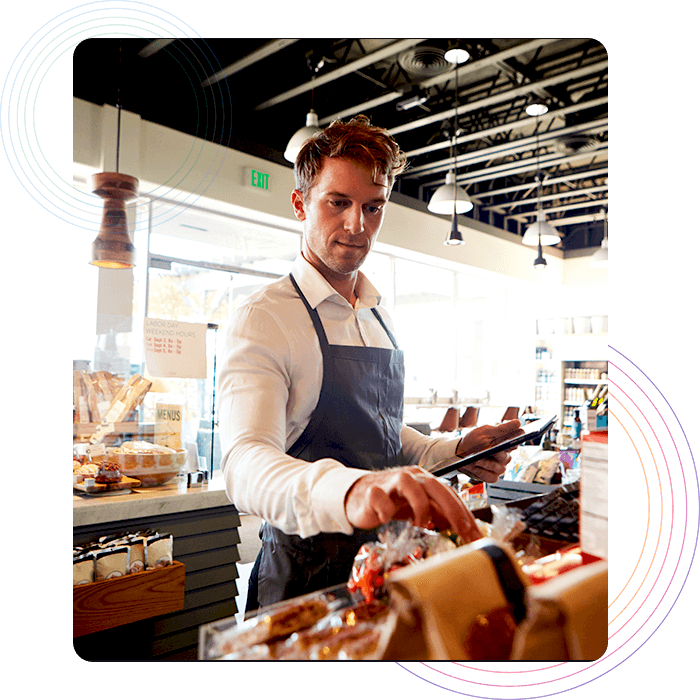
(540, 262)
(454, 237)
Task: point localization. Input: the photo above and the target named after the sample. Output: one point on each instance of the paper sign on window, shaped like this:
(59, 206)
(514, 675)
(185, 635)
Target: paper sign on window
(175, 348)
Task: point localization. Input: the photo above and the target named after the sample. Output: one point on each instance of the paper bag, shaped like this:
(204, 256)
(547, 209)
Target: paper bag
(567, 617)
(459, 605)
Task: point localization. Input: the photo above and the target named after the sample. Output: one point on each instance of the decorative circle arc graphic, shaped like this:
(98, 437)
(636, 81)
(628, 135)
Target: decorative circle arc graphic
(25, 80)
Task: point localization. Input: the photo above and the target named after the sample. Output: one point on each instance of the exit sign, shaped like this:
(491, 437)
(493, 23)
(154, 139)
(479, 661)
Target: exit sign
(256, 180)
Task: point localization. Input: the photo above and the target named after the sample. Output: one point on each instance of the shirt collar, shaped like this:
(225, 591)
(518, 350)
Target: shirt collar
(317, 289)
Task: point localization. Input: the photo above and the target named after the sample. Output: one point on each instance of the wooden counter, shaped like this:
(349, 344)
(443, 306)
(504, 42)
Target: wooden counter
(204, 525)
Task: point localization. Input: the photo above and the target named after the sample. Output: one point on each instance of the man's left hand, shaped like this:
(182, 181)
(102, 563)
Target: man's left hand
(482, 438)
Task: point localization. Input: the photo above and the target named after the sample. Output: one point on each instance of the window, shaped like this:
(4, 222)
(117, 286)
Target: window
(201, 265)
(424, 321)
(475, 299)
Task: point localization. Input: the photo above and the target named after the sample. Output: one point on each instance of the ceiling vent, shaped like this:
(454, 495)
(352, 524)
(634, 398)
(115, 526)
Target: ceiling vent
(576, 143)
(424, 62)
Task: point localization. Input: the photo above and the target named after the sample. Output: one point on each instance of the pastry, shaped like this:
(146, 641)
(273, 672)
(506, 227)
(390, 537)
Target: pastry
(84, 471)
(108, 473)
(276, 624)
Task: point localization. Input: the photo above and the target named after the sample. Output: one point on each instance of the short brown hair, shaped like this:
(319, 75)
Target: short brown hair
(355, 140)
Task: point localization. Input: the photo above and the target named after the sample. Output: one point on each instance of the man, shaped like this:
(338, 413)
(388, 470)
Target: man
(311, 389)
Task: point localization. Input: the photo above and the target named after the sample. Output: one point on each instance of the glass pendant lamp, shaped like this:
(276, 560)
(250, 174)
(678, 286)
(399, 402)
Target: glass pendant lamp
(306, 132)
(449, 196)
(600, 257)
(541, 232)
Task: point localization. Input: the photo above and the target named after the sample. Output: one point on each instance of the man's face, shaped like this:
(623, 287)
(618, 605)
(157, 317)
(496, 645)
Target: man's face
(342, 215)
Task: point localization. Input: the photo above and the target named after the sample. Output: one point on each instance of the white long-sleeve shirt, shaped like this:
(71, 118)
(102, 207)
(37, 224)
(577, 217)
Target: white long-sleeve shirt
(269, 384)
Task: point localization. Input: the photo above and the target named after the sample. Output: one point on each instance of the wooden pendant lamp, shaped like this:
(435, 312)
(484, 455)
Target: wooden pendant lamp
(113, 247)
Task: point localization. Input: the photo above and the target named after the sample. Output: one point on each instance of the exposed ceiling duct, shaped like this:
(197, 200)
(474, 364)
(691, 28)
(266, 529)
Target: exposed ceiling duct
(424, 62)
(575, 143)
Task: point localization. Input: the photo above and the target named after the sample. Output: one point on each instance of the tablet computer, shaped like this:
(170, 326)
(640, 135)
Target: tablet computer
(531, 431)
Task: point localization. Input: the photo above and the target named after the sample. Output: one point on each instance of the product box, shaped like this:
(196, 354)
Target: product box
(594, 422)
(593, 518)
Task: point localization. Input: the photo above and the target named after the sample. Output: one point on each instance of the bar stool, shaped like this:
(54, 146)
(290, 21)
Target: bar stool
(511, 412)
(470, 417)
(450, 422)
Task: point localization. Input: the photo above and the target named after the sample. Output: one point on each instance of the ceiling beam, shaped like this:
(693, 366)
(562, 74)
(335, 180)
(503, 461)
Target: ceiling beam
(504, 149)
(526, 215)
(500, 97)
(154, 47)
(263, 52)
(582, 219)
(316, 81)
(438, 79)
(526, 201)
(598, 172)
(523, 166)
(508, 126)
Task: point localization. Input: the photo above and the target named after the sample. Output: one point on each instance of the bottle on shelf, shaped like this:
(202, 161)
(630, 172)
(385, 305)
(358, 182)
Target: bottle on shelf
(576, 432)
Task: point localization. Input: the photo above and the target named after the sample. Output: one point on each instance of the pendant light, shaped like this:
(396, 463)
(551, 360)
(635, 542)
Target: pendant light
(311, 128)
(540, 262)
(536, 108)
(113, 247)
(540, 232)
(600, 257)
(301, 135)
(449, 198)
(454, 237)
(457, 54)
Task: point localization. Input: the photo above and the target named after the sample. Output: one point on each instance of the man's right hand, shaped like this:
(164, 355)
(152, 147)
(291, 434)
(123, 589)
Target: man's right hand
(408, 493)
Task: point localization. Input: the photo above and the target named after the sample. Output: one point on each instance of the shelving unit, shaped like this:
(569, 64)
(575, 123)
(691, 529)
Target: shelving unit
(547, 380)
(103, 605)
(562, 386)
(580, 378)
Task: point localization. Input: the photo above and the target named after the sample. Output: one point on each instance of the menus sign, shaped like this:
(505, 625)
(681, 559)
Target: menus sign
(168, 430)
(175, 348)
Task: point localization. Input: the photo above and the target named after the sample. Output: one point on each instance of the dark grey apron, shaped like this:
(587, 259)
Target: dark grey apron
(357, 421)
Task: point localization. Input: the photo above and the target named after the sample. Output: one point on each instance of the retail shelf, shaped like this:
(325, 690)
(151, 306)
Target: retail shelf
(117, 601)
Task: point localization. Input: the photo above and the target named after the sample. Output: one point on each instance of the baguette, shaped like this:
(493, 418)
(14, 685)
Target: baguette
(128, 398)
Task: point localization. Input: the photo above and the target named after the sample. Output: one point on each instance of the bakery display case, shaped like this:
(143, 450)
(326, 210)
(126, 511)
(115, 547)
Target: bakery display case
(476, 602)
(145, 449)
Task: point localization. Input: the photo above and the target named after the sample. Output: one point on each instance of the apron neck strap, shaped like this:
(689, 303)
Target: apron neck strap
(319, 326)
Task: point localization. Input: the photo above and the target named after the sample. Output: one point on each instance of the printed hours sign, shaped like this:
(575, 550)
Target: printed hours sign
(175, 348)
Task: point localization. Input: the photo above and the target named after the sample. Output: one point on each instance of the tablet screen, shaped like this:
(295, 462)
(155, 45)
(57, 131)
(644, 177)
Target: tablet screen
(531, 431)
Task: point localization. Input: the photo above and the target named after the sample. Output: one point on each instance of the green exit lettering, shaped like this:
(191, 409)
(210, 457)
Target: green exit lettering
(261, 180)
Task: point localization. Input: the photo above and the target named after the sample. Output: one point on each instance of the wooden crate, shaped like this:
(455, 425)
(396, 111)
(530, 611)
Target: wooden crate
(102, 605)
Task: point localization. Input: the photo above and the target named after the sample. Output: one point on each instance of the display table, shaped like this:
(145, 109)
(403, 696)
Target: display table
(204, 526)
